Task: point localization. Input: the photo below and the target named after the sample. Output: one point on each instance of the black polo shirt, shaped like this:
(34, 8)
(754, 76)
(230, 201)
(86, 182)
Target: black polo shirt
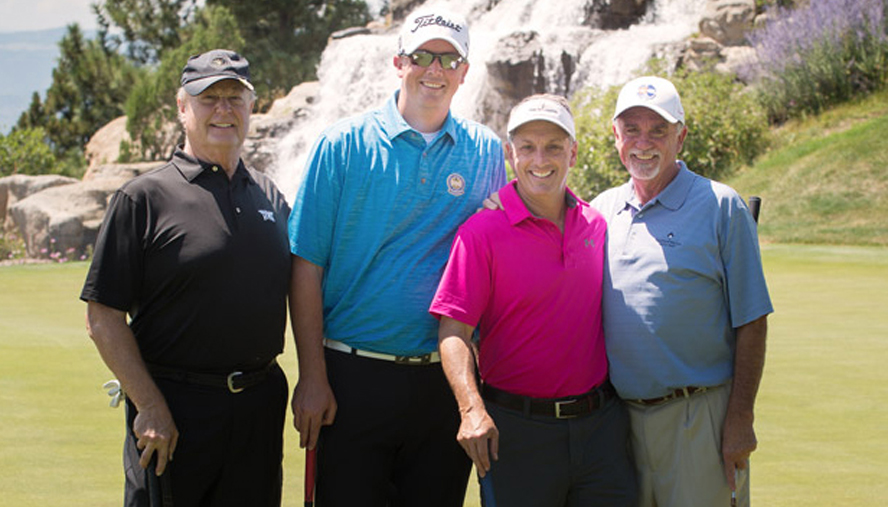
(200, 262)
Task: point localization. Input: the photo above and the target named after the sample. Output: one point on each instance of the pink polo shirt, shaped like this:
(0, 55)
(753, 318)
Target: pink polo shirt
(534, 295)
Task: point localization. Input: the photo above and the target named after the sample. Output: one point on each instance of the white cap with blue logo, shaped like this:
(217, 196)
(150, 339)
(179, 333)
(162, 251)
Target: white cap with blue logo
(654, 93)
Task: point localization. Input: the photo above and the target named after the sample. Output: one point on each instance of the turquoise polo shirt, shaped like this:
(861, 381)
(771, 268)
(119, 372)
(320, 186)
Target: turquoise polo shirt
(378, 210)
(682, 272)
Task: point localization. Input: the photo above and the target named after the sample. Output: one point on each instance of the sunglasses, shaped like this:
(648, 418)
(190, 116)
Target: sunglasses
(425, 59)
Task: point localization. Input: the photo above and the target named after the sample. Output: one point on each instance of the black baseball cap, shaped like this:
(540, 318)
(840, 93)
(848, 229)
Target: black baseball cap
(206, 69)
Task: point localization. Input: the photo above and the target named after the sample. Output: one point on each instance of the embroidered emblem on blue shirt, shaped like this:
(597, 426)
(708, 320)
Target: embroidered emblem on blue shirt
(456, 184)
(267, 215)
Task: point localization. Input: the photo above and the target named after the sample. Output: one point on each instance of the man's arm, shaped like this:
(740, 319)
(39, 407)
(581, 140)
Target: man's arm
(477, 432)
(313, 402)
(738, 435)
(154, 425)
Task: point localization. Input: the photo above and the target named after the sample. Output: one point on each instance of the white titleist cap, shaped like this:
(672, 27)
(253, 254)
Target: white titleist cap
(424, 25)
(654, 93)
(543, 109)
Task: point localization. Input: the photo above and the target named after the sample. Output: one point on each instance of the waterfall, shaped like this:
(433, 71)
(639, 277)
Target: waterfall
(357, 73)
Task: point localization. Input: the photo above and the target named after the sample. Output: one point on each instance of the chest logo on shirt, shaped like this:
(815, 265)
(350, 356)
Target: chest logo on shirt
(456, 184)
(669, 241)
(267, 215)
(589, 243)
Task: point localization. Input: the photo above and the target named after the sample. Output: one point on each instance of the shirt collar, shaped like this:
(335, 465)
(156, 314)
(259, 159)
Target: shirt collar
(672, 197)
(191, 167)
(517, 211)
(394, 124)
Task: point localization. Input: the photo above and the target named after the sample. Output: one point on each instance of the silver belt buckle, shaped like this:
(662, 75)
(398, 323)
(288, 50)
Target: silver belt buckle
(558, 405)
(231, 377)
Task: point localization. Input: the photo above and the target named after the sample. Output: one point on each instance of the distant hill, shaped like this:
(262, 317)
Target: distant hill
(26, 63)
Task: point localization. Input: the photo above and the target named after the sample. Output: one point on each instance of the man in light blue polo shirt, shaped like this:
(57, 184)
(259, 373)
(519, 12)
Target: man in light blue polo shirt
(370, 234)
(685, 310)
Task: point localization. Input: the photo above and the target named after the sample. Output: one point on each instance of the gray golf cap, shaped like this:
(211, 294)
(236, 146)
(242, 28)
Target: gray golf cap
(207, 69)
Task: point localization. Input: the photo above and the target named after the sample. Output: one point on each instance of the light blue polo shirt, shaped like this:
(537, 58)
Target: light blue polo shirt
(682, 272)
(378, 210)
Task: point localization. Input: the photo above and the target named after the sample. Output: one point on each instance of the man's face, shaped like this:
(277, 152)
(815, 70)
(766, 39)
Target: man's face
(541, 153)
(217, 120)
(432, 86)
(647, 143)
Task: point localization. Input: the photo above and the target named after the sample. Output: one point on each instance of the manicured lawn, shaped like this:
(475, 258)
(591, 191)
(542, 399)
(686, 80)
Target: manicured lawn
(822, 415)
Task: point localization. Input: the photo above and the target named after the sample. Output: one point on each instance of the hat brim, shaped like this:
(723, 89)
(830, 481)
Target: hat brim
(657, 109)
(198, 86)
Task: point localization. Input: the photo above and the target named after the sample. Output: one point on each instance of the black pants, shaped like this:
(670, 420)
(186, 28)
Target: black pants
(393, 442)
(229, 451)
(548, 462)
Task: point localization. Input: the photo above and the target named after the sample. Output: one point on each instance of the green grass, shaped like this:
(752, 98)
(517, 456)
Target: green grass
(825, 181)
(821, 416)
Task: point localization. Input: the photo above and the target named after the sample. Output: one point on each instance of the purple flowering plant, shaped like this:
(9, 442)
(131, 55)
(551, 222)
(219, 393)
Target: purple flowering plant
(820, 53)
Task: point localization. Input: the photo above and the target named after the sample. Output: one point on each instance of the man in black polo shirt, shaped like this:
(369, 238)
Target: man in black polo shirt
(196, 253)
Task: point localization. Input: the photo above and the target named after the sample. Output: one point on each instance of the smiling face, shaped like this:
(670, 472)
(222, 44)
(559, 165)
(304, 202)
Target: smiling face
(541, 153)
(216, 122)
(648, 145)
(428, 89)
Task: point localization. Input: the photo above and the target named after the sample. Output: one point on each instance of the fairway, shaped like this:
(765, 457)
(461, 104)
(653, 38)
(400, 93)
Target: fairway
(822, 414)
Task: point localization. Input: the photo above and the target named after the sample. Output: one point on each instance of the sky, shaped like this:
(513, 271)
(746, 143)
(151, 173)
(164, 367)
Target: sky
(24, 15)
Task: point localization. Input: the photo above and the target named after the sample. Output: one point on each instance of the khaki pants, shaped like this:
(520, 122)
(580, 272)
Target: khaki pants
(677, 449)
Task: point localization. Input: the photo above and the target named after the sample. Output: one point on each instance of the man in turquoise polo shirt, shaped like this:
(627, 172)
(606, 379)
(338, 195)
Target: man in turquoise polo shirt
(370, 234)
(685, 310)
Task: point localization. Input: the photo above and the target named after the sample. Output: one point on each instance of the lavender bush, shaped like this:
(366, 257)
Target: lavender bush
(824, 52)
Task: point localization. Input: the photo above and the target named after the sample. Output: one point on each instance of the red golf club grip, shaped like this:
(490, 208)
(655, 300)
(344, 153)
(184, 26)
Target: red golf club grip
(311, 456)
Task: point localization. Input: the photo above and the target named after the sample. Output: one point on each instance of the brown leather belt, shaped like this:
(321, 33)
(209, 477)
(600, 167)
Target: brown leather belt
(235, 381)
(684, 392)
(559, 408)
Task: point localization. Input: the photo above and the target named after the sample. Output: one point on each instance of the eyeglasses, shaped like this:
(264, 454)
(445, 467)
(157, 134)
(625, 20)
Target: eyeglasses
(425, 59)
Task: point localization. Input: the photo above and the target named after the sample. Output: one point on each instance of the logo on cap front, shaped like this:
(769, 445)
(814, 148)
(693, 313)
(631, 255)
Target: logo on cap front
(647, 92)
(433, 20)
(218, 62)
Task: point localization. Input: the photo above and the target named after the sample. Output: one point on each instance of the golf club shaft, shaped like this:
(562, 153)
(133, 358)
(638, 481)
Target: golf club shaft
(311, 456)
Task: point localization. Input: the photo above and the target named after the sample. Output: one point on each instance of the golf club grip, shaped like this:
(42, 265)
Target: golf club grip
(755, 205)
(311, 456)
(487, 498)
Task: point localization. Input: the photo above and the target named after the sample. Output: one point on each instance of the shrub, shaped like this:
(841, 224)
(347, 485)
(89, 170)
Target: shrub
(726, 128)
(822, 53)
(24, 151)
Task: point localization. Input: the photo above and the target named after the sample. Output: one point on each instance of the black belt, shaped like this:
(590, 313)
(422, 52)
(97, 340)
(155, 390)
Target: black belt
(560, 408)
(684, 392)
(235, 381)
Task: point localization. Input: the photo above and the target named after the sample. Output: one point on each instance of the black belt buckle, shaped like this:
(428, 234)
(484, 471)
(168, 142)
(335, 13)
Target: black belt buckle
(573, 410)
(230, 380)
(423, 359)
(568, 403)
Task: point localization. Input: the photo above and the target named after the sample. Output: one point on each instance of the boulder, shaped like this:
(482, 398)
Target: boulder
(62, 221)
(614, 14)
(266, 130)
(19, 186)
(727, 21)
(104, 146)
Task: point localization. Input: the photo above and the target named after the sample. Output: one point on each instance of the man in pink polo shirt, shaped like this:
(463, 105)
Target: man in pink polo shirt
(545, 422)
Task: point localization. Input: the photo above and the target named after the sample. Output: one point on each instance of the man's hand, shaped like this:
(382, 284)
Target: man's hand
(156, 432)
(493, 202)
(479, 437)
(313, 406)
(738, 442)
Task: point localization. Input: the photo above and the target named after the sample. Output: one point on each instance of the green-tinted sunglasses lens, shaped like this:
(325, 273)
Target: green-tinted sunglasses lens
(422, 58)
(450, 61)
